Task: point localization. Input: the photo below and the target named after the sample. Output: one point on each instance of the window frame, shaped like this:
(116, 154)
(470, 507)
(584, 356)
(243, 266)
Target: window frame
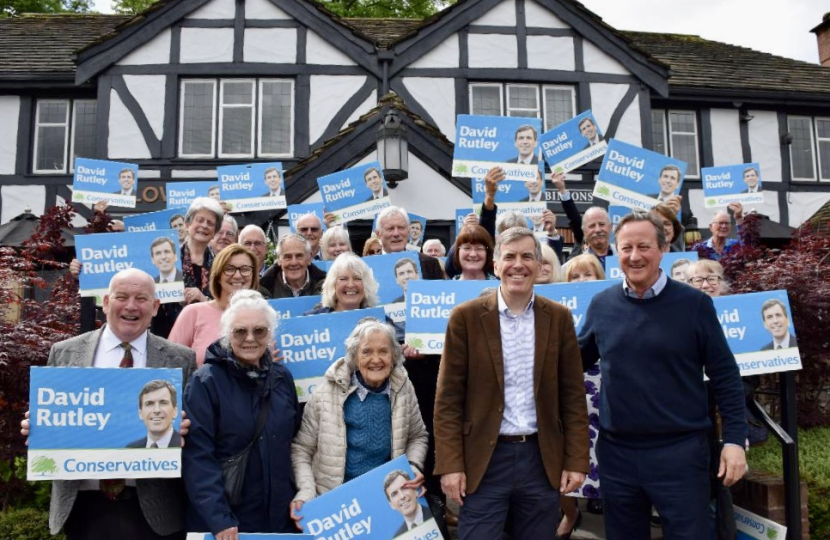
(259, 151)
(545, 102)
(222, 107)
(212, 153)
(73, 135)
(504, 97)
(667, 137)
(499, 86)
(818, 141)
(67, 135)
(515, 86)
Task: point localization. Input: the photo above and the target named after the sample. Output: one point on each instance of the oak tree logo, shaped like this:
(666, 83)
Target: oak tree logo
(460, 168)
(416, 343)
(43, 465)
(604, 190)
(772, 534)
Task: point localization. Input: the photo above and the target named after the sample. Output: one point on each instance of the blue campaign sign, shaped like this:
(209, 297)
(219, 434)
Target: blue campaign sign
(293, 306)
(99, 180)
(755, 326)
(254, 536)
(417, 226)
(638, 178)
(428, 307)
(296, 211)
(460, 215)
(392, 274)
(732, 183)
(616, 213)
(252, 187)
(183, 193)
(87, 423)
(667, 263)
(750, 526)
(363, 508)
(310, 344)
(484, 142)
(510, 197)
(156, 252)
(572, 144)
(575, 296)
(155, 221)
(325, 266)
(359, 192)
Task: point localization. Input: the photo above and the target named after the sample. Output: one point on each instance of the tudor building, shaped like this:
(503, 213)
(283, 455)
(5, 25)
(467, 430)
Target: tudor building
(193, 84)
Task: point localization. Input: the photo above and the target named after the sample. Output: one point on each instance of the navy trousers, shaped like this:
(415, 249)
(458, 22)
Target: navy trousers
(516, 484)
(673, 477)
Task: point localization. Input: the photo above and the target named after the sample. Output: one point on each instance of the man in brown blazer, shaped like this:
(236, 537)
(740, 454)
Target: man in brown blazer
(511, 424)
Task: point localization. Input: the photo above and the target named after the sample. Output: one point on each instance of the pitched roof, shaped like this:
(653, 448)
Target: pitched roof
(384, 32)
(43, 45)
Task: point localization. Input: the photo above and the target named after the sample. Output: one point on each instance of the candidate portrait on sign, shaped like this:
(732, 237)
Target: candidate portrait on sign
(777, 323)
(126, 178)
(525, 142)
(752, 180)
(405, 271)
(416, 232)
(157, 409)
(668, 181)
(535, 193)
(589, 130)
(164, 256)
(273, 179)
(405, 500)
(375, 184)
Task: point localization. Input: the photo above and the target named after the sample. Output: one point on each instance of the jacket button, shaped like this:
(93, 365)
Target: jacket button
(501, 408)
(492, 443)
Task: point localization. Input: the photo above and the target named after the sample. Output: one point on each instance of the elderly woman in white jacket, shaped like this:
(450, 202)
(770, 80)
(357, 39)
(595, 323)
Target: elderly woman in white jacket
(362, 416)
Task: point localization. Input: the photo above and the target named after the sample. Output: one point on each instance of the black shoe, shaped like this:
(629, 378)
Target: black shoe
(577, 523)
(595, 506)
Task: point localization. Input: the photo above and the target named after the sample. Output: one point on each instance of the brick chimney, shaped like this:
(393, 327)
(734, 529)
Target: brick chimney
(822, 33)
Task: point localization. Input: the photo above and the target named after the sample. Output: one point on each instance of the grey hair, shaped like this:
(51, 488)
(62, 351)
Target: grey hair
(206, 203)
(252, 228)
(234, 225)
(332, 234)
(508, 220)
(516, 233)
(365, 327)
(389, 211)
(293, 236)
(595, 209)
(432, 241)
(245, 299)
(349, 262)
(642, 215)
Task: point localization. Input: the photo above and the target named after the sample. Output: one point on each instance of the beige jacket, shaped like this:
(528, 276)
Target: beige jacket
(318, 453)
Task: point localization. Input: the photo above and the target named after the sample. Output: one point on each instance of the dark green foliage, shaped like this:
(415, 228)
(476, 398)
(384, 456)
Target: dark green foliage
(131, 7)
(26, 524)
(12, 8)
(398, 9)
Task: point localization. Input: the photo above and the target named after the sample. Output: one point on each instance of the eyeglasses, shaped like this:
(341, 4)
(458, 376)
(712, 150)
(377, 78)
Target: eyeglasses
(259, 332)
(721, 223)
(256, 244)
(230, 270)
(711, 280)
(228, 234)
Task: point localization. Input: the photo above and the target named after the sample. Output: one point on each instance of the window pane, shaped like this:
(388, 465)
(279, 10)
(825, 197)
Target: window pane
(236, 130)
(53, 112)
(684, 148)
(51, 148)
(824, 159)
(275, 117)
(238, 93)
(823, 128)
(84, 126)
(197, 119)
(658, 131)
(558, 106)
(801, 150)
(682, 122)
(522, 97)
(486, 100)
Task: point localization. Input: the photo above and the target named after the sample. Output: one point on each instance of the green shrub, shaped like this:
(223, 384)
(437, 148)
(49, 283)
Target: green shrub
(26, 524)
(814, 466)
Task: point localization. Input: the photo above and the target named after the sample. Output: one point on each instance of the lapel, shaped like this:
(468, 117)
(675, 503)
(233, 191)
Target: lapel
(541, 320)
(85, 353)
(154, 348)
(491, 329)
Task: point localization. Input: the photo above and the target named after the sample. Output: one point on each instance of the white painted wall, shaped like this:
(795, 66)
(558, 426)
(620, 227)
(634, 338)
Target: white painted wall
(201, 45)
(321, 52)
(596, 61)
(18, 198)
(437, 96)
(148, 90)
(604, 100)
(328, 94)
(547, 52)
(270, 45)
(493, 51)
(77, 219)
(765, 145)
(503, 14)
(726, 137)
(803, 205)
(538, 16)
(362, 109)
(155, 51)
(630, 129)
(217, 9)
(9, 117)
(126, 141)
(445, 55)
(263, 9)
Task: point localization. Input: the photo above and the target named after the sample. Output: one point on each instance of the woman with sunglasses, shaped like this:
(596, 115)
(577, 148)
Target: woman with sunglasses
(197, 326)
(240, 399)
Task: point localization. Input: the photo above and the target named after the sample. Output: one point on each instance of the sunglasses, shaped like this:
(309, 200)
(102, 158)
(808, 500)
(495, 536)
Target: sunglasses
(259, 333)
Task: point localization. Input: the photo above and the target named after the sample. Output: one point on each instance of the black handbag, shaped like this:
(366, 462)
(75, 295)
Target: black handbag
(233, 468)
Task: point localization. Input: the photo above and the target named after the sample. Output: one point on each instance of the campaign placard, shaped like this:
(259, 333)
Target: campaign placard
(638, 178)
(100, 180)
(572, 144)
(372, 506)
(484, 142)
(751, 526)
(172, 218)
(100, 423)
(732, 183)
(616, 213)
(325, 266)
(359, 192)
(460, 215)
(296, 211)
(182, 193)
(575, 296)
(252, 187)
(513, 197)
(428, 306)
(759, 331)
(667, 263)
(252, 536)
(393, 274)
(417, 227)
(310, 344)
(156, 252)
(293, 306)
